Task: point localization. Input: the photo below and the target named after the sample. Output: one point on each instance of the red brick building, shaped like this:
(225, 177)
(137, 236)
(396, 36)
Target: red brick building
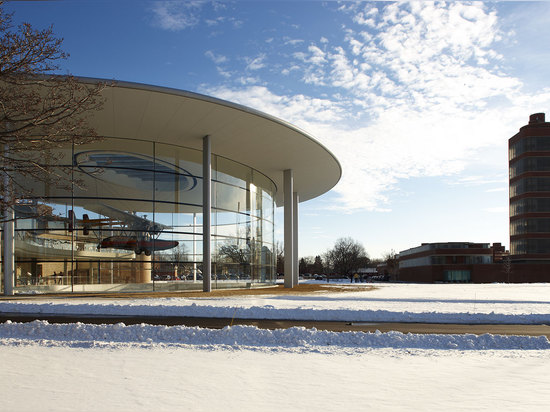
(529, 161)
(454, 262)
(529, 257)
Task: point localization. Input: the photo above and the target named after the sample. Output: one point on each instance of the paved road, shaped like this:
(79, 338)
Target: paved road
(218, 323)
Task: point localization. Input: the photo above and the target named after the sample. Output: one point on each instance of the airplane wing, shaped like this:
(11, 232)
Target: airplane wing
(132, 221)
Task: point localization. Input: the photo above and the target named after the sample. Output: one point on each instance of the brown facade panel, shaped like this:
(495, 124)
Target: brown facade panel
(483, 273)
(425, 274)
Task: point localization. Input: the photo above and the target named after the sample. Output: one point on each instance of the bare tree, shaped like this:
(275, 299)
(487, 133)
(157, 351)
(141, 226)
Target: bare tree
(280, 256)
(507, 267)
(304, 264)
(310, 264)
(391, 260)
(39, 112)
(318, 266)
(235, 254)
(346, 256)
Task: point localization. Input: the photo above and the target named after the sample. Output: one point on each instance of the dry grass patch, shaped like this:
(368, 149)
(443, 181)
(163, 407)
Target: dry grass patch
(302, 289)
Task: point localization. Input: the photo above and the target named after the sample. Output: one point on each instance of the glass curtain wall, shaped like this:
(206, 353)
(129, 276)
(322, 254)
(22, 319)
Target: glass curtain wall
(132, 220)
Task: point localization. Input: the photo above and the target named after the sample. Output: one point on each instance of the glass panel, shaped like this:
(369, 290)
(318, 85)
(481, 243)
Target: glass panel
(535, 164)
(531, 225)
(232, 173)
(530, 144)
(530, 184)
(178, 176)
(456, 275)
(530, 205)
(529, 246)
(115, 169)
(135, 215)
(230, 198)
(44, 242)
(263, 182)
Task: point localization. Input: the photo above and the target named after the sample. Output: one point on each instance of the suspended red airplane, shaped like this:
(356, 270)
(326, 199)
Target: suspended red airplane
(137, 245)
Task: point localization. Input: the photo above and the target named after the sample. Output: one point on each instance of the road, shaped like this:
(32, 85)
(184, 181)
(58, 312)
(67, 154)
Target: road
(335, 326)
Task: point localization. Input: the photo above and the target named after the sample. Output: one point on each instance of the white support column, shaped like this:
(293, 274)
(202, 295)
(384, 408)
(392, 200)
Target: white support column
(296, 263)
(194, 248)
(9, 258)
(9, 238)
(289, 227)
(206, 211)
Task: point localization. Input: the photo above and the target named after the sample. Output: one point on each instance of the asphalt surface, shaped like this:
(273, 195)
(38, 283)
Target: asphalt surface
(335, 326)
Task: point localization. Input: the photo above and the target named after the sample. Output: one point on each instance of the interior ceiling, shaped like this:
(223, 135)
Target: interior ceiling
(265, 143)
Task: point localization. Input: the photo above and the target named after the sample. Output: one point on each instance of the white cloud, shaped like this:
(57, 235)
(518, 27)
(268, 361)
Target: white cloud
(498, 210)
(255, 63)
(216, 58)
(420, 96)
(223, 73)
(176, 15)
(247, 80)
(290, 108)
(214, 22)
(317, 55)
(293, 42)
(479, 180)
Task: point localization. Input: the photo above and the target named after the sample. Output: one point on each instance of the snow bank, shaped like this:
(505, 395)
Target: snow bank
(251, 337)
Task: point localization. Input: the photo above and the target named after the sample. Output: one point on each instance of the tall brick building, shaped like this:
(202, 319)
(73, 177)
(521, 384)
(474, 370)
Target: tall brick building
(529, 161)
(529, 256)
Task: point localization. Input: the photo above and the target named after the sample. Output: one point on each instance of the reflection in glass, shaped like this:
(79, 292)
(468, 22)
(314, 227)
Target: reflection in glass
(132, 219)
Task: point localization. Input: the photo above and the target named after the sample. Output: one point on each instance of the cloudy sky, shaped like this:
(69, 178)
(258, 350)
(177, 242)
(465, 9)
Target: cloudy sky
(416, 99)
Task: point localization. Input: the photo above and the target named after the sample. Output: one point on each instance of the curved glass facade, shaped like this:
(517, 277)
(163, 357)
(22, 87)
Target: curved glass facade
(132, 219)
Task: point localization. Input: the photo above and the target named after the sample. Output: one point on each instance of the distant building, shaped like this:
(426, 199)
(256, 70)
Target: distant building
(529, 256)
(529, 161)
(453, 262)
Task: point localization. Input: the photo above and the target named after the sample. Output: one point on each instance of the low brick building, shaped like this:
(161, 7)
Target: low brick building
(454, 262)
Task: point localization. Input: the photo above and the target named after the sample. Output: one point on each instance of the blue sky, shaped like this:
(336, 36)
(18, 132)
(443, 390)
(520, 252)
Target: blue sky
(417, 100)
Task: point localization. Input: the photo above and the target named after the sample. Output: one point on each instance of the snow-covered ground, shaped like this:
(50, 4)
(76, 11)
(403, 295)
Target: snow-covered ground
(440, 303)
(144, 367)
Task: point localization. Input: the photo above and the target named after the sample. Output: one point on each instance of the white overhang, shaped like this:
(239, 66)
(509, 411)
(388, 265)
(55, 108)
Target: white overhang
(183, 118)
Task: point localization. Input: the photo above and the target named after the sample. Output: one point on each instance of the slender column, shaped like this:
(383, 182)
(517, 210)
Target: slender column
(194, 248)
(296, 264)
(9, 259)
(9, 241)
(289, 227)
(206, 210)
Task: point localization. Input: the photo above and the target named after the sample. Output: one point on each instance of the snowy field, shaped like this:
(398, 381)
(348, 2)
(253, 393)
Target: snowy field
(440, 303)
(242, 368)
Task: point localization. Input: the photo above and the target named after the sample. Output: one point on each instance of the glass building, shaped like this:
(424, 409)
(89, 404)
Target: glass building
(134, 216)
(529, 161)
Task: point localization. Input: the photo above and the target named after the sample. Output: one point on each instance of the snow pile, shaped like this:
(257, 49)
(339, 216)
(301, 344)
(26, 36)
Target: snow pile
(251, 336)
